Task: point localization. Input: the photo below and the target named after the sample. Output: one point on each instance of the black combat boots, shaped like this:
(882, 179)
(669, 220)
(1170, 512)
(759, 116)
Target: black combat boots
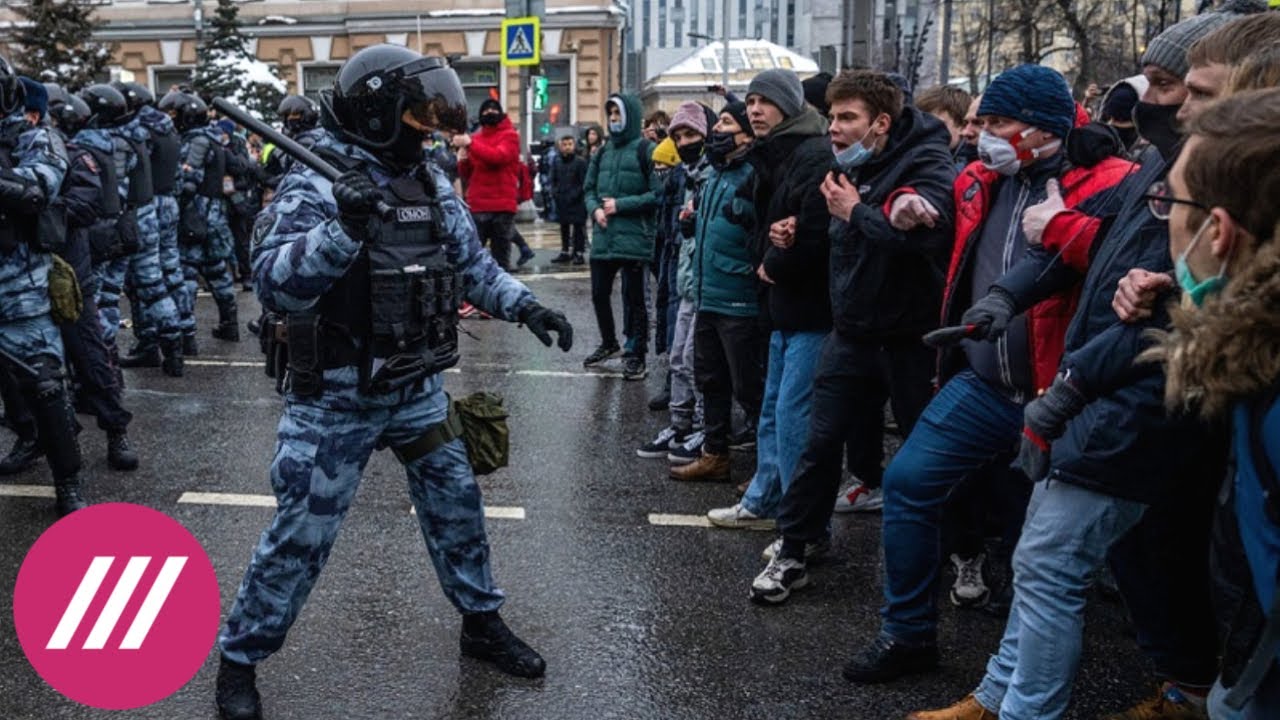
(142, 357)
(190, 348)
(120, 456)
(171, 364)
(237, 693)
(228, 326)
(486, 637)
(67, 495)
(25, 452)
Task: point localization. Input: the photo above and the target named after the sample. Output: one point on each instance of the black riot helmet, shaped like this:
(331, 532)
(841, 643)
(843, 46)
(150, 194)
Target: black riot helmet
(187, 110)
(381, 85)
(58, 95)
(298, 114)
(11, 91)
(135, 95)
(71, 116)
(108, 107)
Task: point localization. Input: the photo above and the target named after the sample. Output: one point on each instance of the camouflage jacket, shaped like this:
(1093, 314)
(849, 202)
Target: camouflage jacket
(106, 141)
(197, 147)
(40, 156)
(300, 249)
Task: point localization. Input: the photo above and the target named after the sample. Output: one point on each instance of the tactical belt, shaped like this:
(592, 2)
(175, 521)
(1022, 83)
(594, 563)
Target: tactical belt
(436, 437)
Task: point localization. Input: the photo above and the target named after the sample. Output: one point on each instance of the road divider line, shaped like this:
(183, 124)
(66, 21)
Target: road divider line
(491, 367)
(225, 363)
(32, 491)
(494, 512)
(237, 499)
(580, 275)
(679, 520)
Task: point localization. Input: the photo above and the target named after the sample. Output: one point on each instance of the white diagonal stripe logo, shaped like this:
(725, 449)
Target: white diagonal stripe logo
(116, 603)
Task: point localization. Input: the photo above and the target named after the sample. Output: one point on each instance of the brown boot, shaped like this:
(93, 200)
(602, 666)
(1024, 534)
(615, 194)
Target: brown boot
(708, 468)
(967, 709)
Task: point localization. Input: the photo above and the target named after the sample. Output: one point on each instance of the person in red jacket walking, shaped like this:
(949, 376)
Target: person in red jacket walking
(489, 165)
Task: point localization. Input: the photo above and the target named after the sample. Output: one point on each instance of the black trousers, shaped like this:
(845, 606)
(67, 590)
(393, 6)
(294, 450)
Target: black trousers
(846, 392)
(97, 390)
(579, 235)
(496, 229)
(726, 365)
(635, 316)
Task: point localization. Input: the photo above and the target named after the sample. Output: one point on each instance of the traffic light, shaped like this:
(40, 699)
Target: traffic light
(540, 94)
(546, 129)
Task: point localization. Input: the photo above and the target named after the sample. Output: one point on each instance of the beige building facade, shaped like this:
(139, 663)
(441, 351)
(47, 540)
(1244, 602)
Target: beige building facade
(307, 41)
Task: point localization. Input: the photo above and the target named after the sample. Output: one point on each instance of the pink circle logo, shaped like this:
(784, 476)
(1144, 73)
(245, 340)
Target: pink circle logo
(116, 606)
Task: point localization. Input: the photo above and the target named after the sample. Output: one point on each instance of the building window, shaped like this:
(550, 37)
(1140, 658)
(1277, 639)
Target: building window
(480, 82)
(556, 113)
(791, 23)
(317, 77)
(662, 23)
(164, 79)
(711, 17)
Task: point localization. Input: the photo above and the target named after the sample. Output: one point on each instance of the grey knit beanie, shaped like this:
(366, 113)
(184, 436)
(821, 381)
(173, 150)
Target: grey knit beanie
(1169, 49)
(780, 87)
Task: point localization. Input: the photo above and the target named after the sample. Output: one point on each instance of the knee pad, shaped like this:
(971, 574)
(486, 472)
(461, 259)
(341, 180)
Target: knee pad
(55, 420)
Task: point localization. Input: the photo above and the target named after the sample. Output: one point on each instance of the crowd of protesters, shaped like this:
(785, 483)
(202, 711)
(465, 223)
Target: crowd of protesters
(1069, 312)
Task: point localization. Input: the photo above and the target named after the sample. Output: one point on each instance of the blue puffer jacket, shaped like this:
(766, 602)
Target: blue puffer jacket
(726, 275)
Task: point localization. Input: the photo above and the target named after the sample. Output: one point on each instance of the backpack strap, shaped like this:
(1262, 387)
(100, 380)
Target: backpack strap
(644, 155)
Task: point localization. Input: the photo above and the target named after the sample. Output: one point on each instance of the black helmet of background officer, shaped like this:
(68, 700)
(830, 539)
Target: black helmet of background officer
(107, 106)
(298, 114)
(187, 110)
(135, 95)
(70, 115)
(58, 95)
(11, 91)
(387, 99)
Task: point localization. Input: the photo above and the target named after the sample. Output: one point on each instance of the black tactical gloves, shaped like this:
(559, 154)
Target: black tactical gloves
(357, 198)
(989, 316)
(542, 321)
(1045, 419)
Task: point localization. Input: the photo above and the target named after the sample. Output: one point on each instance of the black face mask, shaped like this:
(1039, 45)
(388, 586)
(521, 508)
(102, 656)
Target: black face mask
(490, 119)
(406, 151)
(719, 148)
(1158, 125)
(691, 153)
(1128, 135)
(293, 126)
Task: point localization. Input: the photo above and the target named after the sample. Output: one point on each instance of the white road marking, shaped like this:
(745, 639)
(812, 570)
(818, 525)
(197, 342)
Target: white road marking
(580, 275)
(494, 512)
(225, 363)
(679, 520)
(240, 499)
(33, 491)
(491, 367)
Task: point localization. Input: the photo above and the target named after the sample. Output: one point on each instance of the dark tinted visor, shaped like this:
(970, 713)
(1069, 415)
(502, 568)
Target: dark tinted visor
(435, 96)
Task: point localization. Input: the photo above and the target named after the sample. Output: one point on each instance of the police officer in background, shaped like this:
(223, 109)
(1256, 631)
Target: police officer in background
(245, 201)
(154, 271)
(300, 120)
(33, 162)
(371, 302)
(204, 236)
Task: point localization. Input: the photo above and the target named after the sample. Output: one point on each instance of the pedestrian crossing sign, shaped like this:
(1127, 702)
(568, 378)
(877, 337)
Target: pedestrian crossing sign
(521, 41)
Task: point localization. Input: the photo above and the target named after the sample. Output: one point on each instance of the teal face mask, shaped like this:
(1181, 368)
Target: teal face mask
(1198, 291)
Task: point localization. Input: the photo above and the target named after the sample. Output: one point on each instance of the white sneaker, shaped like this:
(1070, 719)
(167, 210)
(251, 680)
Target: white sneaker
(740, 518)
(859, 498)
(667, 438)
(779, 578)
(969, 590)
(812, 551)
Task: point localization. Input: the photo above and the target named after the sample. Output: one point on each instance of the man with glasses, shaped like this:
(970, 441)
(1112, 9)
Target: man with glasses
(368, 271)
(1100, 449)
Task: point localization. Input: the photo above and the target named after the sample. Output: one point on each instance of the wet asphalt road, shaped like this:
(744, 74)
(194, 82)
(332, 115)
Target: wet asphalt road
(636, 621)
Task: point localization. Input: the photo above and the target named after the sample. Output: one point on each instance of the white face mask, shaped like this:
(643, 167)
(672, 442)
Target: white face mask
(1002, 156)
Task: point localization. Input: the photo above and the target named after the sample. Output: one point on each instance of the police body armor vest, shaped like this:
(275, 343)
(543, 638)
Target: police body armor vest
(14, 227)
(141, 191)
(398, 302)
(165, 148)
(110, 197)
(215, 166)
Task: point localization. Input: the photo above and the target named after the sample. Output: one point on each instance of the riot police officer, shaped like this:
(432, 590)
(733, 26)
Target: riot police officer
(371, 303)
(300, 118)
(204, 236)
(33, 162)
(157, 324)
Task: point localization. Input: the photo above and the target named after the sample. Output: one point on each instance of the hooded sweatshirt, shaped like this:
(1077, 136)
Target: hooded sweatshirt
(623, 171)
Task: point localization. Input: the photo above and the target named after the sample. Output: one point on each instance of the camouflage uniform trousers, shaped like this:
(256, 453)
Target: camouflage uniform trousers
(171, 262)
(154, 311)
(38, 343)
(209, 260)
(323, 446)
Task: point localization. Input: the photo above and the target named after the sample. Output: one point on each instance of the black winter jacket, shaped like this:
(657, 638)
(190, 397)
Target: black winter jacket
(887, 284)
(568, 176)
(789, 166)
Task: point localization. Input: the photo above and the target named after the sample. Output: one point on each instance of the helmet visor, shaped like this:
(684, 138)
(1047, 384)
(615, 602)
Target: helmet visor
(435, 96)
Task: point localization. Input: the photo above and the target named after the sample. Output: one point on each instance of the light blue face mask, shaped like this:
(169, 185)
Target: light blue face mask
(1198, 291)
(617, 127)
(856, 155)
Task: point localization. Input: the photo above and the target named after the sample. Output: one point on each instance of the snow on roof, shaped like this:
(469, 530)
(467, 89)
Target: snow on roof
(472, 12)
(744, 55)
(278, 20)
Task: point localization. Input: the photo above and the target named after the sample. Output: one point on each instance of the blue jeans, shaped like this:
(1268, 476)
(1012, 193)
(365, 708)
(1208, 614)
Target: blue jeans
(1065, 540)
(964, 428)
(1264, 704)
(783, 430)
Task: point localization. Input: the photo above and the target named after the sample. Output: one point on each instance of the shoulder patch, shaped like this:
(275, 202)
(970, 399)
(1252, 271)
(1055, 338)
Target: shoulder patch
(89, 162)
(262, 226)
(971, 192)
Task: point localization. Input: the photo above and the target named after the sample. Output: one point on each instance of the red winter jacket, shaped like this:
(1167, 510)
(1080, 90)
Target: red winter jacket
(491, 170)
(1070, 231)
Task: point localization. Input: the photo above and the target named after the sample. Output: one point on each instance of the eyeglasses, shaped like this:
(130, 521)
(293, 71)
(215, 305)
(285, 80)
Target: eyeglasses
(1160, 200)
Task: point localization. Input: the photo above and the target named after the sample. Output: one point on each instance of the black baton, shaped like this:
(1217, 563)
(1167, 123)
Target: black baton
(9, 359)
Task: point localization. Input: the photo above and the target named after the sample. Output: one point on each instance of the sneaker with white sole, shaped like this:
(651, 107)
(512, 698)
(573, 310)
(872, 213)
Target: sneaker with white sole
(812, 551)
(779, 578)
(859, 498)
(740, 518)
(969, 590)
(668, 439)
(688, 452)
